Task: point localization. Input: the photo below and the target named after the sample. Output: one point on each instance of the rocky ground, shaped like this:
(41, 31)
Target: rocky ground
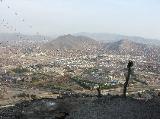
(84, 107)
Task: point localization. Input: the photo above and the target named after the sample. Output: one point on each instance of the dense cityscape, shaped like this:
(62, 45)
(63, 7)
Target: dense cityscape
(79, 59)
(53, 69)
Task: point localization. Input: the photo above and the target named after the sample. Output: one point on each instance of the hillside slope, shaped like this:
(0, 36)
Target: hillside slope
(71, 42)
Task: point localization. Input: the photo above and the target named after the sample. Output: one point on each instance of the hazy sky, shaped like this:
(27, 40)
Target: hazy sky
(129, 17)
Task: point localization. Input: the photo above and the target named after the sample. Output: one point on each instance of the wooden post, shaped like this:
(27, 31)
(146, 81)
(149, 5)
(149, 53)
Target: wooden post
(99, 92)
(130, 64)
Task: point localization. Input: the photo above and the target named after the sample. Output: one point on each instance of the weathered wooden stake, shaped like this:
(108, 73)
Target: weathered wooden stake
(130, 64)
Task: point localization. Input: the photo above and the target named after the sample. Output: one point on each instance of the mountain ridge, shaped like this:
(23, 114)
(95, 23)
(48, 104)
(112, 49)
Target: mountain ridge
(111, 37)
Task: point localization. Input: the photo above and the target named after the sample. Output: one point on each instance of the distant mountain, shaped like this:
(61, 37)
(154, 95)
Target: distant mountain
(71, 42)
(125, 46)
(15, 38)
(108, 37)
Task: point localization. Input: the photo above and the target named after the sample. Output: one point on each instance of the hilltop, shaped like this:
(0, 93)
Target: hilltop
(71, 42)
(125, 45)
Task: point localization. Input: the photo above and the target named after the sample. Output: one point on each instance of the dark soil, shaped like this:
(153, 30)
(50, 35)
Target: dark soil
(106, 107)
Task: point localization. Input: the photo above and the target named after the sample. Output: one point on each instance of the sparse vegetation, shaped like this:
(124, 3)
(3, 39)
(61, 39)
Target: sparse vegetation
(23, 95)
(20, 70)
